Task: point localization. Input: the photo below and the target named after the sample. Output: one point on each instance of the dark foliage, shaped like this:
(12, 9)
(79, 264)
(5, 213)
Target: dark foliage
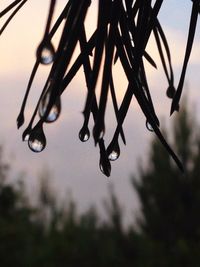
(170, 200)
(55, 235)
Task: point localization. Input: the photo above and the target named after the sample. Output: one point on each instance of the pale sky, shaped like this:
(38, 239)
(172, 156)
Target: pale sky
(74, 165)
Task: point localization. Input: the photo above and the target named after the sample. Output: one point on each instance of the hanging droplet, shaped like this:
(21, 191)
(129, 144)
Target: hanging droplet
(114, 155)
(113, 151)
(105, 167)
(37, 139)
(26, 133)
(54, 112)
(104, 163)
(170, 91)
(84, 134)
(98, 133)
(26, 137)
(101, 134)
(46, 53)
(149, 126)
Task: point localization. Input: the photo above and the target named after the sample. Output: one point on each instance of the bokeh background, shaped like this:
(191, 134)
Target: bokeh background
(74, 166)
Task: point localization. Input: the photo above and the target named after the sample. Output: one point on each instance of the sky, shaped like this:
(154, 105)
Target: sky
(74, 165)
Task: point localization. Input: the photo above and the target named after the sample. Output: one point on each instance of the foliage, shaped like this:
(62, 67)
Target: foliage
(55, 235)
(170, 200)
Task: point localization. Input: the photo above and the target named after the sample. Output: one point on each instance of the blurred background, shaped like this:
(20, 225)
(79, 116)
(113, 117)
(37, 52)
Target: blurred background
(66, 174)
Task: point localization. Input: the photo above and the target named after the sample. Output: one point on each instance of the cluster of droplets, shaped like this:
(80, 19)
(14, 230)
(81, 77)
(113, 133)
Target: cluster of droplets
(115, 38)
(35, 136)
(112, 152)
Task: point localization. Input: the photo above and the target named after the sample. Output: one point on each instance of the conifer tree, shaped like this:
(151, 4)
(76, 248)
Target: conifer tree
(170, 200)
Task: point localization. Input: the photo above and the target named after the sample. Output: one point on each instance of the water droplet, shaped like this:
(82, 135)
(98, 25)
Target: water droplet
(54, 113)
(149, 126)
(26, 137)
(113, 150)
(98, 133)
(105, 167)
(26, 134)
(55, 110)
(37, 139)
(36, 145)
(104, 163)
(113, 155)
(84, 134)
(170, 91)
(101, 134)
(46, 53)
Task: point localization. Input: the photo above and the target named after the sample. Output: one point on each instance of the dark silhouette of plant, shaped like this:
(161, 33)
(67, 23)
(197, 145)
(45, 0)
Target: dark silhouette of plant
(122, 33)
(170, 221)
(54, 234)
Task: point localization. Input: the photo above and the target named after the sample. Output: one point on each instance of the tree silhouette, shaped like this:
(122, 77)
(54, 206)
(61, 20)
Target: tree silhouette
(55, 235)
(170, 221)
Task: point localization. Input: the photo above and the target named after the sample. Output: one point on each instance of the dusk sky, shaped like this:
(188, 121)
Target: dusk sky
(75, 165)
